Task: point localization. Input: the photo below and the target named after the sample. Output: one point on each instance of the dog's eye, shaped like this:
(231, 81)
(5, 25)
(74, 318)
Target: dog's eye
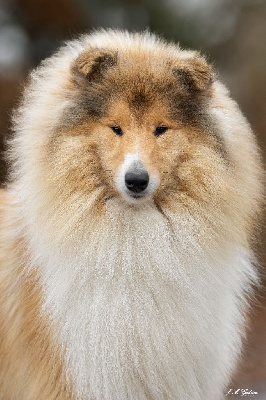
(117, 130)
(160, 130)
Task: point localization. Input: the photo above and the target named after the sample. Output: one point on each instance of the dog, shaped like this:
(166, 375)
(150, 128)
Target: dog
(127, 226)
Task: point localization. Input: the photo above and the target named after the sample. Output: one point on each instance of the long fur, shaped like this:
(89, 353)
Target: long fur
(128, 301)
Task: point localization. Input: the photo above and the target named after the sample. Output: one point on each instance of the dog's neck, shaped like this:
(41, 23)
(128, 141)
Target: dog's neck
(127, 287)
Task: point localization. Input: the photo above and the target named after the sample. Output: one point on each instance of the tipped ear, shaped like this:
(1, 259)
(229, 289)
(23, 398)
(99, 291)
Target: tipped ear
(91, 64)
(194, 74)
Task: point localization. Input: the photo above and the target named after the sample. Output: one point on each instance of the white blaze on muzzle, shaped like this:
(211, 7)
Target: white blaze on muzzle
(133, 180)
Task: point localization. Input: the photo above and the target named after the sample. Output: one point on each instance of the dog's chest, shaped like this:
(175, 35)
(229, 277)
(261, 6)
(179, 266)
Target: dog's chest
(144, 315)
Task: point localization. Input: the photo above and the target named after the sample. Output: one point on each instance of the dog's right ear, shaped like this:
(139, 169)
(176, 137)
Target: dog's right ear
(194, 74)
(91, 64)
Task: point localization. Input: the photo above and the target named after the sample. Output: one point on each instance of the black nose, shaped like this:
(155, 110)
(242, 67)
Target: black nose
(137, 181)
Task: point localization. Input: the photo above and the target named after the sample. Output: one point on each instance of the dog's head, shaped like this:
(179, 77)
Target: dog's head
(121, 116)
(140, 118)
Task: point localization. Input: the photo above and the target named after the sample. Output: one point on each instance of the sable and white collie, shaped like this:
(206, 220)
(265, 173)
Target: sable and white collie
(126, 228)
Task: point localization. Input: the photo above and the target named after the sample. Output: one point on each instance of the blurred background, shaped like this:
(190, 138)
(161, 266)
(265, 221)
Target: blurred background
(232, 33)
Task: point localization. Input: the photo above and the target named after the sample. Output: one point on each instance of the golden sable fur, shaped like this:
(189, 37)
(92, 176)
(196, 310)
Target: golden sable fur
(126, 228)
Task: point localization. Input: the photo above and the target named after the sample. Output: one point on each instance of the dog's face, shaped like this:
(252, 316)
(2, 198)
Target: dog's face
(138, 127)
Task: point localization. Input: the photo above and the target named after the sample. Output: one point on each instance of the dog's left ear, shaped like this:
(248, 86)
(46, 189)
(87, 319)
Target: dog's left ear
(194, 74)
(93, 63)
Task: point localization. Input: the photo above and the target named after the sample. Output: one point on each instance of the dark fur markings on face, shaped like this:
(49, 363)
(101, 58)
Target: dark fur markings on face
(91, 91)
(98, 77)
(88, 73)
(191, 90)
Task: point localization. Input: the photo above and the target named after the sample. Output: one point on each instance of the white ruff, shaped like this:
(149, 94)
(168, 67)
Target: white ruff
(142, 312)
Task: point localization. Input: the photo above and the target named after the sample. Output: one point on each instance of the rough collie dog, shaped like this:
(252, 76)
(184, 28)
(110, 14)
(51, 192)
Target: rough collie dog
(126, 228)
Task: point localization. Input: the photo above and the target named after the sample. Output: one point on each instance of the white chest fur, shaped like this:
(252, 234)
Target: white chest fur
(143, 312)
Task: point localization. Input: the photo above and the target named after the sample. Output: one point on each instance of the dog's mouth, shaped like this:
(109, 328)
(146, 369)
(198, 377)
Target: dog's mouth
(135, 198)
